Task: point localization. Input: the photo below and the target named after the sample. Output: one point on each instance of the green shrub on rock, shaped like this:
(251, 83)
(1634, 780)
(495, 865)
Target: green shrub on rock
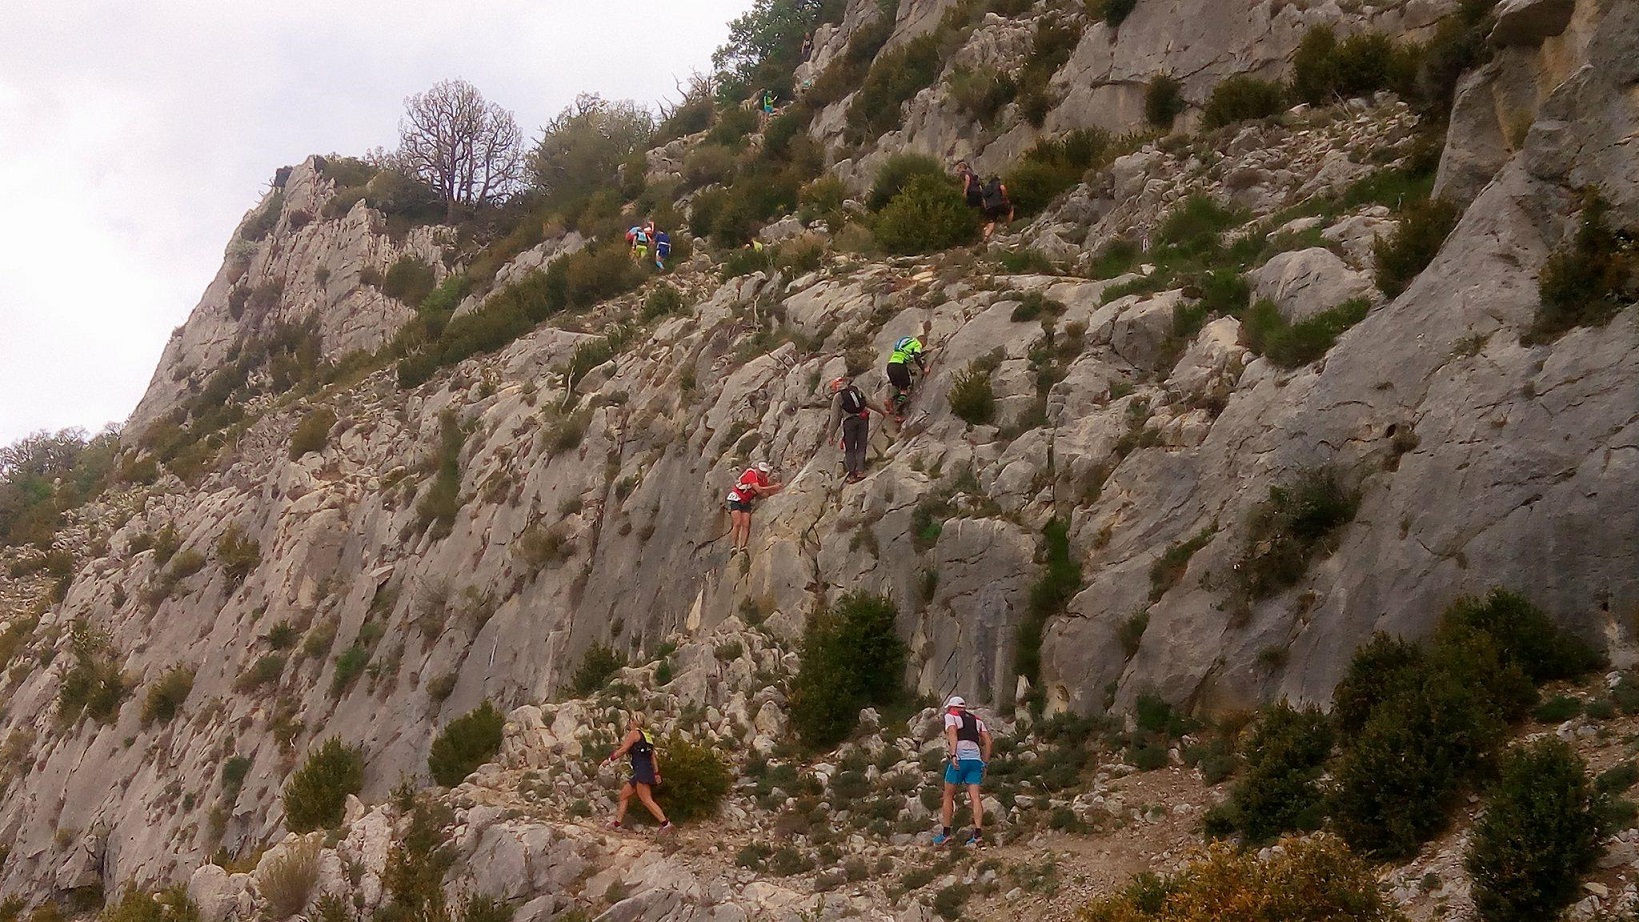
(166, 696)
(972, 397)
(467, 742)
(1539, 834)
(597, 667)
(1525, 636)
(1404, 254)
(852, 658)
(1586, 281)
(1398, 779)
(1279, 789)
(1163, 101)
(928, 216)
(696, 779)
(1293, 345)
(312, 433)
(1376, 672)
(1242, 98)
(1298, 521)
(316, 794)
(895, 177)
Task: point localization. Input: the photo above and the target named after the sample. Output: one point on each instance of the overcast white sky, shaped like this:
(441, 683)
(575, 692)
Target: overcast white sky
(133, 137)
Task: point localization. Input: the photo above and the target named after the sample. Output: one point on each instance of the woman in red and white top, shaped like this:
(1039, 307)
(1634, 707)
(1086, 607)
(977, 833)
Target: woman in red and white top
(754, 483)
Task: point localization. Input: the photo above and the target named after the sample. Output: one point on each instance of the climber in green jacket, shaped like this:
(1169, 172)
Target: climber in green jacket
(906, 351)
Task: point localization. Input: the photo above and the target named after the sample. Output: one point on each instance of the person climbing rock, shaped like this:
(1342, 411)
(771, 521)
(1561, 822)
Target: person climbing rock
(972, 186)
(756, 482)
(639, 744)
(638, 238)
(662, 249)
(765, 106)
(967, 740)
(852, 412)
(997, 205)
(907, 350)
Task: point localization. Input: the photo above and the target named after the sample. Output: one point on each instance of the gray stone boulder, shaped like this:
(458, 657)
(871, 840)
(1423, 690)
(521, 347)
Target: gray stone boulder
(1303, 283)
(1529, 22)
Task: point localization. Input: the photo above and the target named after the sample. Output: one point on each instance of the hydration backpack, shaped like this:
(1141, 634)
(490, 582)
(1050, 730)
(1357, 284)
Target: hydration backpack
(994, 197)
(853, 402)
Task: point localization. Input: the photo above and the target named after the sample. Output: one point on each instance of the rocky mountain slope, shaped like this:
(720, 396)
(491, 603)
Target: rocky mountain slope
(473, 537)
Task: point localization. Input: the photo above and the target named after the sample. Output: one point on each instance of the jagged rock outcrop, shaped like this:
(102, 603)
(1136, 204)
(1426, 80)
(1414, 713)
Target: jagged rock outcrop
(300, 270)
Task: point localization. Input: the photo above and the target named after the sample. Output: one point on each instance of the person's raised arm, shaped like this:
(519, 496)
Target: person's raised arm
(832, 422)
(626, 745)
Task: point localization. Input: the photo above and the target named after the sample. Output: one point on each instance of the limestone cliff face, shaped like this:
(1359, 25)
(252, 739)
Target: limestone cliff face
(1103, 83)
(592, 515)
(301, 269)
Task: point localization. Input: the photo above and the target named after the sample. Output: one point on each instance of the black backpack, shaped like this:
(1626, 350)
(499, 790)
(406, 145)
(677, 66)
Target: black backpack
(853, 402)
(994, 196)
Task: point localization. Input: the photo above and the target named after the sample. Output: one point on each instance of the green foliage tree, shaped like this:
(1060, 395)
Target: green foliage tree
(930, 215)
(765, 44)
(852, 657)
(582, 148)
(312, 433)
(165, 697)
(1538, 835)
(43, 475)
(896, 175)
(467, 742)
(316, 794)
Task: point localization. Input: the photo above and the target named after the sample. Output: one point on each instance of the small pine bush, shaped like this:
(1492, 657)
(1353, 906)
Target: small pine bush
(288, 880)
(136, 905)
(238, 554)
(822, 200)
(597, 666)
(94, 686)
(696, 779)
(1376, 672)
(1525, 636)
(1279, 790)
(467, 742)
(1163, 101)
(1296, 523)
(312, 433)
(895, 177)
(972, 398)
(894, 78)
(1060, 580)
(1242, 98)
(1585, 282)
(316, 794)
(1399, 777)
(852, 658)
(166, 697)
(662, 301)
(928, 216)
(409, 279)
(1404, 254)
(981, 93)
(1325, 70)
(1539, 834)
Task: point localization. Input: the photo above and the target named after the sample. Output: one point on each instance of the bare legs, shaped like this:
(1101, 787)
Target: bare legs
(741, 532)
(645, 796)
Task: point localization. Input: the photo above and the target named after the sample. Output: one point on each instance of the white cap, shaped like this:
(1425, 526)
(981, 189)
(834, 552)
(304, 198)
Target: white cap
(956, 702)
(763, 466)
